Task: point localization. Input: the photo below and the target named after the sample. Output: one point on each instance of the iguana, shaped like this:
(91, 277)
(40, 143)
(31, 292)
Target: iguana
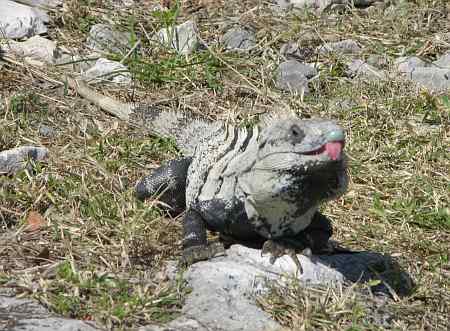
(259, 186)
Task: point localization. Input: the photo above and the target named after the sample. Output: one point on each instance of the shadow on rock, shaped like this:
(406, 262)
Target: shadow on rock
(366, 266)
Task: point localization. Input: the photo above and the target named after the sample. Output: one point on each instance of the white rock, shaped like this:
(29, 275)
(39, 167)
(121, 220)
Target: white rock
(103, 37)
(224, 288)
(105, 69)
(14, 160)
(347, 46)
(46, 3)
(179, 324)
(406, 64)
(29, 315)
(183, 37)
(292, 76)
(359, 68)
(433, 76)
(434, 79)
(443, 61)
(239, 39)
(75, 63)
(19, 21)
(319, 5)
(36, 48)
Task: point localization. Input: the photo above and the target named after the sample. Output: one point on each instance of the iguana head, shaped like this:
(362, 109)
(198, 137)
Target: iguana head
(299, 164)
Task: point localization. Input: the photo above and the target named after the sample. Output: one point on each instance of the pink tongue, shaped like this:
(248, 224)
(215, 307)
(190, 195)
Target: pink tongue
(334, 149)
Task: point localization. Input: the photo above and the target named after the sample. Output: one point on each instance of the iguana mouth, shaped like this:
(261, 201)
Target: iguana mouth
(332, 148)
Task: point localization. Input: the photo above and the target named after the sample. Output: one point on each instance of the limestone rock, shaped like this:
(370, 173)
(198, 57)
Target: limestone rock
(325, 5)
(239, 39)
(359, 68)
(28, 315)
(46, 131)
(407, 64)
(433, 76)
(443, 61)
(20, 21)
(46, 3)
(183, 37)
(434, 79)
(105, 69)
(224, 288)
(293, 76)
(75, 63)
(378, 61)
(293, 51)
(14, 160)
(347, 46)
(318, 5)
(104, 38)
(180, 324)
(34, 50)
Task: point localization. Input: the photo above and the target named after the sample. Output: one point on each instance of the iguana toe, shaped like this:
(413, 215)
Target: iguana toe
(277, 249)
(195, 254)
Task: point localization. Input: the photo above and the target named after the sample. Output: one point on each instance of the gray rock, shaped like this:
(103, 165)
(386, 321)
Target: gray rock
(443, 61)
(377, 61)
(224, 288)
(432, 76)
(407, 64)
(180, 324)
(20, 21)
(434, 79)
(327, 5)
(293, 76)
(183, 38)
(45, 3)
(14, 160)
(75, 63)
(284, 5)
(347, 46)
(341, 104)
(318, 5)
(239, 39)
(358, 68)
(36, 50)
(292, 50)
(28, 315)
(46, 131)
(104, 38)
(105, 69)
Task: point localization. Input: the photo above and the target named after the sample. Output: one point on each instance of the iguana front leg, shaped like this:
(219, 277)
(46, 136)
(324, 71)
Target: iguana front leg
(195, 244)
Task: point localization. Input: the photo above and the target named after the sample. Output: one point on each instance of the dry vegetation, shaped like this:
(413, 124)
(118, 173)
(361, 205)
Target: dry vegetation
(73, 236)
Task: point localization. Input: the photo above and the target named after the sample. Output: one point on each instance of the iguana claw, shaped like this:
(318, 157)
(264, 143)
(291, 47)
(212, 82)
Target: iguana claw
(277, 250)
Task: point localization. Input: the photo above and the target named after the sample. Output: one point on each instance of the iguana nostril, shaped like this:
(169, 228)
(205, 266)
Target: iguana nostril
(336, 135)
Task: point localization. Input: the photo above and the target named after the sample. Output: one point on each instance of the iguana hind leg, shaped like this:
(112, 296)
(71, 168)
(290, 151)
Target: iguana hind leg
(167, 183)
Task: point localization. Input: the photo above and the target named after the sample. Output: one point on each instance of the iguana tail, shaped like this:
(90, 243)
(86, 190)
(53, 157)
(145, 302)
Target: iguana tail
(107, 104)
(187, 130)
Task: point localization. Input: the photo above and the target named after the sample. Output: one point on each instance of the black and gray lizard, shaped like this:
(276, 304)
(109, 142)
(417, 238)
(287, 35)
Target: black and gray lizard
(259, 186)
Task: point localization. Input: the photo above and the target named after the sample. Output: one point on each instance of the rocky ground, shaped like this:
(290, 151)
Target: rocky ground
(79, 252)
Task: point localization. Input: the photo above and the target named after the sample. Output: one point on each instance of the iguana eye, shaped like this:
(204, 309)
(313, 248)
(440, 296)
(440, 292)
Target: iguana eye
(296, 134)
